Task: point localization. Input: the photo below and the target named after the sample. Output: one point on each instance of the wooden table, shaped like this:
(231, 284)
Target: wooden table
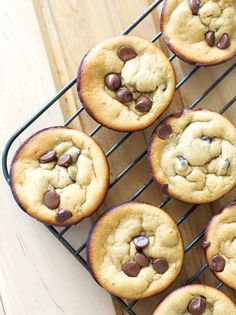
(42, 43)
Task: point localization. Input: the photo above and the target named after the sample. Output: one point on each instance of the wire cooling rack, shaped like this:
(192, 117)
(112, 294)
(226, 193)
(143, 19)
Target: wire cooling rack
(77, 252)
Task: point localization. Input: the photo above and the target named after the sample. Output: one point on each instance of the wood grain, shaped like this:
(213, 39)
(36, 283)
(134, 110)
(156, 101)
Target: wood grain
(69, 28)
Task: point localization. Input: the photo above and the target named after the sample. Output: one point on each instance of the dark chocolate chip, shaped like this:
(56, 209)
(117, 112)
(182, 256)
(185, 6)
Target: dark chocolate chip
(62, 215)
(194, 6)
(210, 38)
(48, 157)
(160, 265)
(206, 138)
(143, 104)
(205, 244)
(126, 53)
(113, 81)
(224, 41)
(141, 241)
(51, 199)
(163, 131)
(124, 95)
(141, 260)
(65, 160)
(177, 114)
(217, 263)
(164, 189)
(131, 269)
(197, 306)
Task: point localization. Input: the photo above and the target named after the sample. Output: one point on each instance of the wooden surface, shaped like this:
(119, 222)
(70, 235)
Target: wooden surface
(41, 54)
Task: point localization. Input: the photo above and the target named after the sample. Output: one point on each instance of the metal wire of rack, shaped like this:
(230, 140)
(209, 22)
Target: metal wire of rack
(60, 234)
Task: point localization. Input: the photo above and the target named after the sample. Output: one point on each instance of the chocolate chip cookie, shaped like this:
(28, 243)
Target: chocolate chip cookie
(220, 245)
(135, 250)
(125, 83)
(192, 155)
(201, 32)
(196, 299)
(59, 176)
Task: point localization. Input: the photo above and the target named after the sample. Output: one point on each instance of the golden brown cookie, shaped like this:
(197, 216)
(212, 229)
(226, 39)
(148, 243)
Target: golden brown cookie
(59, 176)
(201, 32)
(192, 155)
(135, 250)
(220, 245)
(196, 299)
(125, 83)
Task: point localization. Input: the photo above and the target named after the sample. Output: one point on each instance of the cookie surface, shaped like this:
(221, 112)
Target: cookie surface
(201, 32)
(125, 83)
(196, 299)
(135, 250)
(192, 155)
(220, 245)
(59, 176)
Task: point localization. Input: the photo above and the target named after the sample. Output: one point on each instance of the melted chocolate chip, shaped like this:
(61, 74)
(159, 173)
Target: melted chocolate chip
(141, 260)
(65, 160)
(206, 138)
(194, 6)
(217, 263)
(51, 199)
(62, 215)
(224, 41)
(164, 131)
(160, 265)
(177, 114)
(164, 189)
(48, 157)
(205, 244)
(210, 38)
(124, 95)
(113, 81)
(197, 306)
(141, 241)
(131, 269)
(126, 53)
(143, 104)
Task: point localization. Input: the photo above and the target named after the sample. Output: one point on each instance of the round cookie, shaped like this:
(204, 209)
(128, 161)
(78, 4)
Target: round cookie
(59, 176)
(192, 155)
(125, 83)
(135, 250)
(196, 299)
(201, 32)
(220, 245)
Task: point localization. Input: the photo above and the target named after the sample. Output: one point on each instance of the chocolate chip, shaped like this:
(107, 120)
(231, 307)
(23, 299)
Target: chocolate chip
(224, 41)
(62, 215)
(160, 265)
(126, 53)
(48, 157)
(217, 263)
(141, 260)
(194, 6)
(205, 244)
(143, 104)
(163, 131)
(141, 241)
(210, 38)
(183, 162)
(206, 138)
(131, 269)
(65, 160)
(177, 114)
(196, 306)
(124, 95)
(164, 189)
(51, 199)
(113, 81)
